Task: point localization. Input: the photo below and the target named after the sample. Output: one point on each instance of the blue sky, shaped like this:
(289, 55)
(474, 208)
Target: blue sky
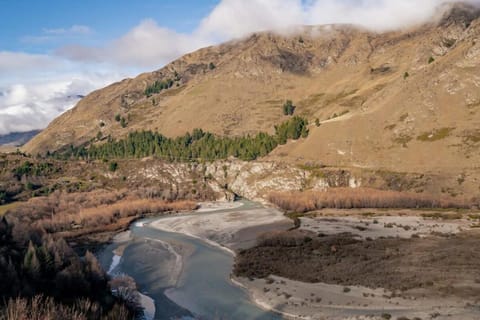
(108, 19)
(53, 50)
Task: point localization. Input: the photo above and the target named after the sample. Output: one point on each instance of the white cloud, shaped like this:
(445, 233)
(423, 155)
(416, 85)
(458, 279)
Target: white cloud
(49, 35)
(35, 88)
(149, 45)
(376, 15)
(17, 62)
(233, 18)
(146, 45)
(75, 29)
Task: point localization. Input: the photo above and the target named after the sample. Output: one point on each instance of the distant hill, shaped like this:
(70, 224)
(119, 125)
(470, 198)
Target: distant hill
(406, 101)
(17, 139)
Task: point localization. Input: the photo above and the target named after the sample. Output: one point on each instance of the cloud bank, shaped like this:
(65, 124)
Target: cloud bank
(150, 45)
(35, 88)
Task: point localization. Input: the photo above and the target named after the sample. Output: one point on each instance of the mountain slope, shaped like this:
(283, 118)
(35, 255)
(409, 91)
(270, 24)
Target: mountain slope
(404, 101)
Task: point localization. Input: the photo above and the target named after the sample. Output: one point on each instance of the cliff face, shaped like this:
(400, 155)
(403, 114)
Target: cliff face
(255, 180)
(399, 101)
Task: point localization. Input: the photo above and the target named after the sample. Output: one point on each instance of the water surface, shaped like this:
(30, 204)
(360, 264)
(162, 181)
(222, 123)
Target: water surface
(203, 289)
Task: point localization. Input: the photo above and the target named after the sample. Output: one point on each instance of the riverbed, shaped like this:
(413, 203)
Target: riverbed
(185, 274)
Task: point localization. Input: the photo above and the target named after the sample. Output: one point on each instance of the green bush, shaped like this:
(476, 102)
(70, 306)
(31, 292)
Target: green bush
(113, 166)
(158, 86)
(123, 122)
(288, 108)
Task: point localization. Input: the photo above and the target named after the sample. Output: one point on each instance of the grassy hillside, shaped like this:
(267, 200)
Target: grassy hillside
(401, 101)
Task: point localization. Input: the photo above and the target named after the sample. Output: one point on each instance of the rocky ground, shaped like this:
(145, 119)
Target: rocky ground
(356, 267)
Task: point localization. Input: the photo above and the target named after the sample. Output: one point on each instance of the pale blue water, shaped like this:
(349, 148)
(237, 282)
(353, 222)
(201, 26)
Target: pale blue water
(205, 290)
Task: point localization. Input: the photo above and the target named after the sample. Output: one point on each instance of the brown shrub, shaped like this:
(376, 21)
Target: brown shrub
(62, 211)
(45, 308)
(348, 198)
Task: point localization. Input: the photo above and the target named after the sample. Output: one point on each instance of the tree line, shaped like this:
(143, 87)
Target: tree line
(158, 86)
(191, 146)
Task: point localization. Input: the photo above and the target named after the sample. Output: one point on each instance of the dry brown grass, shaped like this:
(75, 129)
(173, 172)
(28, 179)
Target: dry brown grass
(348, 198)
(7, 207)
(82, 213)
(42, 308)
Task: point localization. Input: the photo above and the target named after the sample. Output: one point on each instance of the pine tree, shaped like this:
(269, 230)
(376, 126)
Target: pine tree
(31, 264)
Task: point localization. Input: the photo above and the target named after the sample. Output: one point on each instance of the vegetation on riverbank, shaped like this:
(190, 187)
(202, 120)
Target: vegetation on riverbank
(34, 263)
(396, 264)
(46, 269)
(44, 277)
(350, 198)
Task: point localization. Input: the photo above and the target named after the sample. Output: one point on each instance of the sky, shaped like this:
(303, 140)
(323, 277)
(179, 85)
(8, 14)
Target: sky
(52, 51)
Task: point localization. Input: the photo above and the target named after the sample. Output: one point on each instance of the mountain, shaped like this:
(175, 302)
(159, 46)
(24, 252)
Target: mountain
(405, 101)
(17, 139)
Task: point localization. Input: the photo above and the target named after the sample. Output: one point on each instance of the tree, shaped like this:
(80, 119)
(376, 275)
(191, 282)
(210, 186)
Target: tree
(431, 60)
(123, 122)
(93, 269)
(31, 263)
(211, 66)
(113, 166)
(117, 117)
(288, 108)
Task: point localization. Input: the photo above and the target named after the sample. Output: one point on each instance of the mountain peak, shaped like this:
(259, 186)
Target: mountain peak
(458, 13)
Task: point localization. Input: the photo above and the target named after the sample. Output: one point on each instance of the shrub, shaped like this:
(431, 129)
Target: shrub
(211, 66)
(113, 166)
(158, 86)
(347, 198)
(431, 60)
(294, 129)
(435, 135)
(288, 108)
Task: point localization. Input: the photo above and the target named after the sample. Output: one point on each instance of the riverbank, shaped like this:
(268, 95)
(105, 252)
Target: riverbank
(422, 268)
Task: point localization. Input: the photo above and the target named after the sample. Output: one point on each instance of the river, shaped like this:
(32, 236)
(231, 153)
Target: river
(186, 277)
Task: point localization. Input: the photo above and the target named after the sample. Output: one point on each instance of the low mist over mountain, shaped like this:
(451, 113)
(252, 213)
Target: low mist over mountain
(17, 139)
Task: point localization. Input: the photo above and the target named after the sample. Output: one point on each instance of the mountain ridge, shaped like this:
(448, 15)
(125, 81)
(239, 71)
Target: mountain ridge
(384, 100)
